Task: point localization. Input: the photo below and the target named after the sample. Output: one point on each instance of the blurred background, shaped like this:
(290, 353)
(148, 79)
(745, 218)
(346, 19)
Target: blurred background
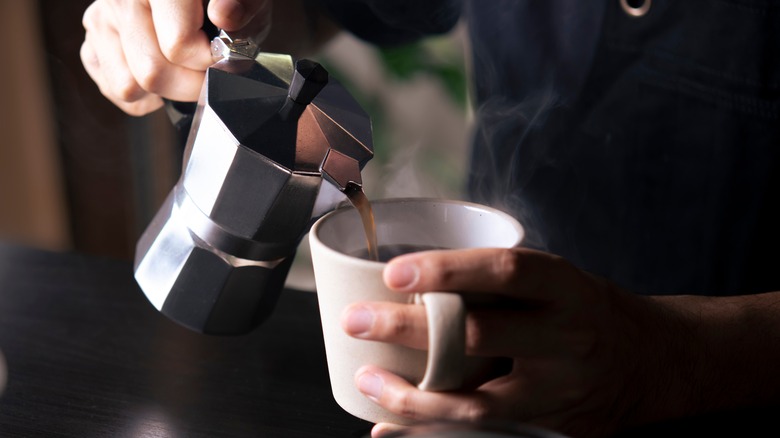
(77, 174)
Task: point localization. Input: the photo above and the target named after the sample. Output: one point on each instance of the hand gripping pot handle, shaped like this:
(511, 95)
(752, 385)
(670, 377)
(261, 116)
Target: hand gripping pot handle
(274, 143)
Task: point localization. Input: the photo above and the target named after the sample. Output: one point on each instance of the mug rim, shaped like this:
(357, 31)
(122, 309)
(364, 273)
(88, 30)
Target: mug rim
(314, 232)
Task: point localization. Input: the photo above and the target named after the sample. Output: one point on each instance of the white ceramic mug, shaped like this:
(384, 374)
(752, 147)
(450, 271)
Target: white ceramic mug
(342, 279)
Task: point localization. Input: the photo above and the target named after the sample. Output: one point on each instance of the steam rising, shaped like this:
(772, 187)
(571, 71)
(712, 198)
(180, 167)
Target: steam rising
(504, 128)
(529, 62)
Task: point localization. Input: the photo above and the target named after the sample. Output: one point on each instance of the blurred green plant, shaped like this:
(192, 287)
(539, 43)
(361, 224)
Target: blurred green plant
(438, 58)
(434, 56)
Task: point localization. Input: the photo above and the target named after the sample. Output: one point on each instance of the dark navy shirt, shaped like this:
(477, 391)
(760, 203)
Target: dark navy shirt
(644, 149)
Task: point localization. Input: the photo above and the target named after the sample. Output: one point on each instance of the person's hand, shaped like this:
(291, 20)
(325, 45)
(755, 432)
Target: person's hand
(579, 352)
(140, 51)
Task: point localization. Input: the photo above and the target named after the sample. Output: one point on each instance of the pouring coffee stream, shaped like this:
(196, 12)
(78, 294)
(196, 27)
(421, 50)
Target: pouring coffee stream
(275, 143)
(361, 203)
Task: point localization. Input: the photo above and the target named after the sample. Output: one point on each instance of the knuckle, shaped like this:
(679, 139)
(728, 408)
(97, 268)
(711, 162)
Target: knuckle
(505, 265)
(404, 404)
(584, 343)
(126, 90)
(474, 410)
(150, 76)
(175, 48)
(440, 272)
(401, 324)
(90, 16)
(171, 53)
(87, 55)
(476, 334)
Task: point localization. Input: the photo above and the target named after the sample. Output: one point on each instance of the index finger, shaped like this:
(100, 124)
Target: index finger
(152, 71)
(179, 24)
(515, 272)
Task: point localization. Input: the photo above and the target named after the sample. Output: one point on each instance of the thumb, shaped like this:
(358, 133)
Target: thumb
(248, 17)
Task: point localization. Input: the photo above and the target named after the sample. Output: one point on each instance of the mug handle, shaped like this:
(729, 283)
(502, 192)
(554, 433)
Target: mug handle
(446, 315)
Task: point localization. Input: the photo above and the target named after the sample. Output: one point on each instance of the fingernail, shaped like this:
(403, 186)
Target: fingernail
(358, 321)
(370, 385)
(401, 275)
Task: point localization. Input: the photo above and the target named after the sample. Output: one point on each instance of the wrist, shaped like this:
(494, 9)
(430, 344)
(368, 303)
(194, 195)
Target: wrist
(705, 355)
(666, 360)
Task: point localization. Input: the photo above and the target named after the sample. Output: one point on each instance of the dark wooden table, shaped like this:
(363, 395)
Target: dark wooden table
(88, 356)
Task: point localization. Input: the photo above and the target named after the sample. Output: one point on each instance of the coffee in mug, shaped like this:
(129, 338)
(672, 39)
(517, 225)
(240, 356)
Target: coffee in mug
(385, 253)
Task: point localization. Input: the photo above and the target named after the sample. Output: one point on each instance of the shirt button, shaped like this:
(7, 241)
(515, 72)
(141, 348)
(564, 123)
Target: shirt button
(636, 8)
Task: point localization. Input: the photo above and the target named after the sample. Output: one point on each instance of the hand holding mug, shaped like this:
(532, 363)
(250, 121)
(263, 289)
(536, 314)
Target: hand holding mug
(578, 365)
(344, 279)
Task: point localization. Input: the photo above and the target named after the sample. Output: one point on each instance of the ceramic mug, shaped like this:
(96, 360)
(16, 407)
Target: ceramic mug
(343, 278)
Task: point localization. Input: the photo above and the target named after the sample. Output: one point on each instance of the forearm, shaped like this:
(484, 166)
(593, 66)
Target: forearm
(742, 336)
(713, 353)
